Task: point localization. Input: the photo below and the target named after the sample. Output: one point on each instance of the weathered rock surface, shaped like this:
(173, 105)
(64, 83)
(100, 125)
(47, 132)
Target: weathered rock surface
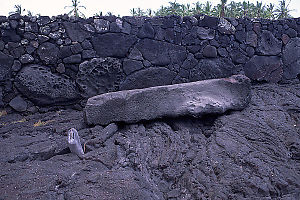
(291, 59)
(18, 104)
(212, 68)
(99, 75)
(113, 44)
(161, 53)
(6, 62)
(150, 77)
(189, 99)
(248, 154)
(268, 44)
(264, 68)
(48, 53)
(76, 31)
(41, 86)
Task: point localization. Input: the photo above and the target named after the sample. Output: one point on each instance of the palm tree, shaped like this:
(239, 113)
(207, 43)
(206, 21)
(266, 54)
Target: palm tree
(207, 8)
(137, 12)
(283, 11)
(75, 9)
(198, 8)
(18, 10)
(222, 13)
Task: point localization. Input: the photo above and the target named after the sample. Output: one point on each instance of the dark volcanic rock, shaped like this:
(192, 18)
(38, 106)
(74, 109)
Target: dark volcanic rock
(161, 53)
(210, 51)
(212, 68)
(48, 52)
(268, 44)
(6, 62)
(188, 99)
(18, 104)
(76, 32)
(147, 31)
(205, 34)
(100, 75)
(38, 84)
(264, 68)
(153, 76)
(113, 44)
(130, 66)
(117, 184)
(72, 59)
(291, 59)
(247, 154)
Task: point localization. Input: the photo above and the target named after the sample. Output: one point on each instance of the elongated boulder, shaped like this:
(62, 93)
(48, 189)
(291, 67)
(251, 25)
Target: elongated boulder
(193, 99)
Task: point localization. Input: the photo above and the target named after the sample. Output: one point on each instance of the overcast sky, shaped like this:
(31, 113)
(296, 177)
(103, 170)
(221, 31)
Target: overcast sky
(121, 7)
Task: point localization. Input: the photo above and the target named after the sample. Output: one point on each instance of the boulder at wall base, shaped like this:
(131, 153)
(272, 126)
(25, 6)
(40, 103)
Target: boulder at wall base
(42, 87)
(187, 99)
(264, 68)
(99, 75)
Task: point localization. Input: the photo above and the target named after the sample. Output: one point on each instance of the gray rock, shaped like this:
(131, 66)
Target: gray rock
(99, 75)
(147, 31)
(268, 44)
(264, 68)
(76, 32)
(225, 27)
(26, 58)
(1, 98)
(210, 51)
(38, 84)
(101, 25)
(212, 68)
(76, 48)
(238, 56)
(130, 66)
(61, 68)
(113, 44)
(87, 54)
(291, 59)
(48, 53)
(205, 34)
(16, 66)
(161, 53)
(189, 99)
(72, 59)
(251, 38)
(152, 76)
(18, 104)
(6, 62)
(135, 54)
(43, 20)
(116, 184)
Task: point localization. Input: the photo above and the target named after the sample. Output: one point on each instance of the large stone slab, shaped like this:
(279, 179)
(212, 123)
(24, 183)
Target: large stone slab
(188, 99)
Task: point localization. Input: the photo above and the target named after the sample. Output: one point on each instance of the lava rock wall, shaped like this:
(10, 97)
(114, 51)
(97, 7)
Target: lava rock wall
(62, 61)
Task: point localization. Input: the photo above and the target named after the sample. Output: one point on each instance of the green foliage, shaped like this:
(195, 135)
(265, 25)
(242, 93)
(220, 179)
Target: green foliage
(223, 9)
(282, 10)
(21, 11)
(75, 9)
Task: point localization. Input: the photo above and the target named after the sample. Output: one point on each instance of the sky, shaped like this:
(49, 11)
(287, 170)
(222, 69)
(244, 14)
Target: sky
(117, 7)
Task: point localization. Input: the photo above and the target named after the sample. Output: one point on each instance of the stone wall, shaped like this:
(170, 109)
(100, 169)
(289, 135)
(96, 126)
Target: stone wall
(62, 61)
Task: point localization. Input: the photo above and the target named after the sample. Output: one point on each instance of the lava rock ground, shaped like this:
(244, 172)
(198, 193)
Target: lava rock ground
(248, 154)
